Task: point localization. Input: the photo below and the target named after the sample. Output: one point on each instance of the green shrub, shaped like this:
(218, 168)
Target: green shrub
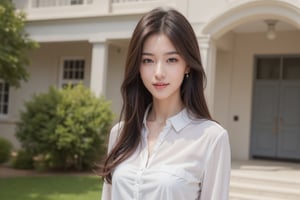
(5, 150)
(23, 160)
(65, 128)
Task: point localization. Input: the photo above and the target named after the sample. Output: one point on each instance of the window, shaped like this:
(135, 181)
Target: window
(4, 97)
(278, 68)
(291, 70)
(268, 68)
(76, 2)
(73, 71)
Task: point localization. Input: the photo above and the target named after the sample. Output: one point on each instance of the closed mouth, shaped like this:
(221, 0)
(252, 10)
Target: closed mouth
(160, 84)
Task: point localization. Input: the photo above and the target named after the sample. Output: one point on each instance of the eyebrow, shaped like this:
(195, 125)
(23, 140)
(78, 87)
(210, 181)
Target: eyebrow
(168, 53)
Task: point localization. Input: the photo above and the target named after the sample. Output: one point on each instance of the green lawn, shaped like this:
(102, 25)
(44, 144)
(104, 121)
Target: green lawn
(51, 188)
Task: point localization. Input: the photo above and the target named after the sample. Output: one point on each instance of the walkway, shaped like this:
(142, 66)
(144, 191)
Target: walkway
(6, 172)
(265, 180)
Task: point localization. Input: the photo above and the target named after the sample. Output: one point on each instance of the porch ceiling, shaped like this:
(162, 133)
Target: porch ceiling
(261, 26)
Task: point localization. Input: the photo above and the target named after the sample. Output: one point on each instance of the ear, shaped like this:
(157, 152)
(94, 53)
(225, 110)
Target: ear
(187, 70)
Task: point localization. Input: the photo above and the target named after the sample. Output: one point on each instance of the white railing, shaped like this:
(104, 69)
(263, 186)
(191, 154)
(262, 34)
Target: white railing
(130, 6)
(55, 9)
(125, 1)
(58, 3)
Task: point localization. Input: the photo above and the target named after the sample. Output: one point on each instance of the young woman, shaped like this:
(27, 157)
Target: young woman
(167, 146)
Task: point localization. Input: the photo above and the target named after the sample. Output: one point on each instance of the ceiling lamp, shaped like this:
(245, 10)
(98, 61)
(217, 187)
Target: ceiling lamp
(271, 34)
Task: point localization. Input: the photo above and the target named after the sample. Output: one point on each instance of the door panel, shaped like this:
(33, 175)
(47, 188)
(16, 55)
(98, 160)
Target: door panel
(264, 138)
(289, 124)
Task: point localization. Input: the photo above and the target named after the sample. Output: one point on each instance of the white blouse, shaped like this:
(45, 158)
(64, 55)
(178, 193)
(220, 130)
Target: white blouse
(190, 161)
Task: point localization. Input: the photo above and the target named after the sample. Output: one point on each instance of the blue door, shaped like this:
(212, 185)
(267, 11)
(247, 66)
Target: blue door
(275, 129)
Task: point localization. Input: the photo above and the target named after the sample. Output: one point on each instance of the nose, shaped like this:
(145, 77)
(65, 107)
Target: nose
(159, 71)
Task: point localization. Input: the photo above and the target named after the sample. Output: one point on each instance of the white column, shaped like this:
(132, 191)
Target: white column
(99, 68)
(208, 55)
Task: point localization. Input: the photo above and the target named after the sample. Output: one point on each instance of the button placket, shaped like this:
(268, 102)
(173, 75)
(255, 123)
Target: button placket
(144, 160)
(161, 138)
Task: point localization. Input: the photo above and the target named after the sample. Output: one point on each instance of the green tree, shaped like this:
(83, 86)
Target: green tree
(14, 44)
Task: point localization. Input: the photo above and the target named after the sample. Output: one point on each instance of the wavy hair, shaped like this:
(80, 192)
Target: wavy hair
(136, 97)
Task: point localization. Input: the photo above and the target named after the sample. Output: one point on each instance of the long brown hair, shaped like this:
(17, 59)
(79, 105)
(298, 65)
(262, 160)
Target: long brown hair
(136, 97)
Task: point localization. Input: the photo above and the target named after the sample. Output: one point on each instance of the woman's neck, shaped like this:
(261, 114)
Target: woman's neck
(162, 110)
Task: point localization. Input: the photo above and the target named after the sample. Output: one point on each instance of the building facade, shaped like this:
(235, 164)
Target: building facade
(250, 50)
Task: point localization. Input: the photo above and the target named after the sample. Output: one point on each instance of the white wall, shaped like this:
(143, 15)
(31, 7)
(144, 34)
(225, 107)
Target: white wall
(44, 72)
(234, 80)
(203, 10)
(115, 75)
(223, 87)
(45, 66)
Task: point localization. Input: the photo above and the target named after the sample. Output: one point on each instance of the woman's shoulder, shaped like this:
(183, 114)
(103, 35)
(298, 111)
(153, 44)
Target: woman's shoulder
(210, 128)
(114, 134)
(117, 128)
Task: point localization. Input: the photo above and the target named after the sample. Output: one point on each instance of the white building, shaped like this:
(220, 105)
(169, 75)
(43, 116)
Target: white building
(253, 86)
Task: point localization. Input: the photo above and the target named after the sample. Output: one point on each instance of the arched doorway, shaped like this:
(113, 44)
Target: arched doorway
(239, 35)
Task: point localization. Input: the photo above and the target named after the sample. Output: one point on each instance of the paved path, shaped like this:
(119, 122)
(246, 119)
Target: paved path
(10, 172)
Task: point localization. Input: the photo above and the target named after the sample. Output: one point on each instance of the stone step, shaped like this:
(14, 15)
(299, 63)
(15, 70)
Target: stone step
(264, 190)
(264, 180)
(236, 196)
(259, 179)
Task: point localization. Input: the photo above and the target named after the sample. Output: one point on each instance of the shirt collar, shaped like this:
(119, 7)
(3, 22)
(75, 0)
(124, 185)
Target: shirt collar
(178, 121)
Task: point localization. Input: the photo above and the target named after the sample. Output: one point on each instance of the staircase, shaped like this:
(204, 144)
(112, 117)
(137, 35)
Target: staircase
(258, 182)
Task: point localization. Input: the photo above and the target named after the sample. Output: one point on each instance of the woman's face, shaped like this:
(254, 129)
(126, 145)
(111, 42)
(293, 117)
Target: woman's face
(162, 68)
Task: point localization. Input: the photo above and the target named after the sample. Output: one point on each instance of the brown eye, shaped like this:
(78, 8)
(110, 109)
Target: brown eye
(147, 60)
(172, 60)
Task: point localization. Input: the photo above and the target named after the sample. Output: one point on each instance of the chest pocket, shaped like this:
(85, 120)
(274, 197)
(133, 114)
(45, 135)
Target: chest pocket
(178, 173)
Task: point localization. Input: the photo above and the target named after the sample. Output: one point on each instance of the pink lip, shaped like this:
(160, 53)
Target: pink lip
(160, 85)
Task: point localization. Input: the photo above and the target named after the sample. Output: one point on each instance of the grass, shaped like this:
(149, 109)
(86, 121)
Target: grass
(51, 188)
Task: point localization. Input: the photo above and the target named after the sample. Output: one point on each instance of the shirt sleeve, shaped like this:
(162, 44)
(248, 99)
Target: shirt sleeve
(215, 184)
(106, 190)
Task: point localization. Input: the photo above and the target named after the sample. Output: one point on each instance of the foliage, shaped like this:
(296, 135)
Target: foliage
(65, 128)
(23, 160)
(15, 44)
(5, 150)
